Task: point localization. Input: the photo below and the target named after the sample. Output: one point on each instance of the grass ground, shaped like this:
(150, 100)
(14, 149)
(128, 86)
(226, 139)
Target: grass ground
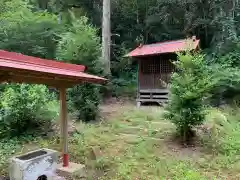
(139, 144)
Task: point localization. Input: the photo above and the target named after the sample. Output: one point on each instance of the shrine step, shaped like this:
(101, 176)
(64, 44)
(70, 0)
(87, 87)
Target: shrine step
(155, 95)
(161, 91)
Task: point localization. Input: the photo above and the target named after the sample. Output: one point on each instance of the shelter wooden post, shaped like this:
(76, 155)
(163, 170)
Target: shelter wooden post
(64, 126)
(19, 68)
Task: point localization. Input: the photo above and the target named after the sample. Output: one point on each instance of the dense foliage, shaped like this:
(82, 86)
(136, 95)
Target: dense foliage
(25, 109)
(215, 22)
(133, 21)
(227, 87)
(80, 45)
(28, 32)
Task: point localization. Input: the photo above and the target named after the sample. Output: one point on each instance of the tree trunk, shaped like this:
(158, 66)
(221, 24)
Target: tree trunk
(106, 36)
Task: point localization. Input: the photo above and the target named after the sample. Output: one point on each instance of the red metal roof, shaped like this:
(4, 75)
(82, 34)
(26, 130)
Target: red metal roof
(38, 61)
(165, 47)
(19, 68)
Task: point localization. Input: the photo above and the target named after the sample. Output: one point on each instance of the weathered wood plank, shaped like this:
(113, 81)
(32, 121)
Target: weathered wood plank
(159, 96)
(145, 96)
(154, 91)
(152, 100)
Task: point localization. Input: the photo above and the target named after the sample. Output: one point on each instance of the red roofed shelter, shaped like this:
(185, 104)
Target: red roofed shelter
(19, 68)
(155, 67)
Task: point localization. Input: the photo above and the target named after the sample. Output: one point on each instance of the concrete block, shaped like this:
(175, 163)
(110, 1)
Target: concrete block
(30, 166)
(73, 169)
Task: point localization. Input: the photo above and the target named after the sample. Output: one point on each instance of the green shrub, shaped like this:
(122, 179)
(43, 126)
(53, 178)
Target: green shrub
(81, 45)
(227, 84)
(225, 134)
(229, 57)
(188, 90)
(85, 100)
(124, 86)
(222, 137)
(25, 109)
(124, 74)
(9, 147)
(225, 65)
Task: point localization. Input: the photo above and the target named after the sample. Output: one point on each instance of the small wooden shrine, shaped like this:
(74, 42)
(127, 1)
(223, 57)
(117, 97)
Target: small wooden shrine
(155, 67)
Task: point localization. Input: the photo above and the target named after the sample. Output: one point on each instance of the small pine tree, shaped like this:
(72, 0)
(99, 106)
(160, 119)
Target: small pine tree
(189, 87)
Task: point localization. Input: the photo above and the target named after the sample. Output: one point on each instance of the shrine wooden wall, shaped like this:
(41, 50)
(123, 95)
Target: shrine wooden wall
(155, 71)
